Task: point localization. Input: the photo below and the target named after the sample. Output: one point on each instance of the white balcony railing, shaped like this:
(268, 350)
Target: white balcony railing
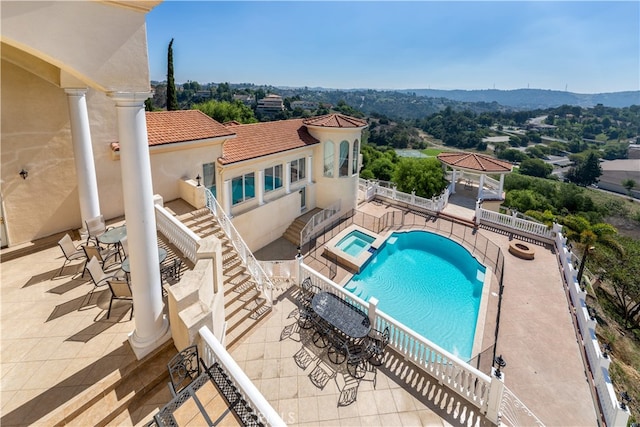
(214, 352)
(263, 282)
(388, 190)
(178, 234)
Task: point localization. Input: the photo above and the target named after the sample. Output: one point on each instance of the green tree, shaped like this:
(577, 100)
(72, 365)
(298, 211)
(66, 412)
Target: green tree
(424, 175)
(535, 167)
(586, 172)
(383, 168)
(628, 184)
(172, 97)
(224, 111)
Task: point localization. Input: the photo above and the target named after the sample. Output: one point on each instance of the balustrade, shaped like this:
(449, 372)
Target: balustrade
(213, 352)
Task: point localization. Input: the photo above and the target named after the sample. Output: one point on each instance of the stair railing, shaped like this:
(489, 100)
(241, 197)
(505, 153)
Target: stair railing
(315, 224)
(263, 283)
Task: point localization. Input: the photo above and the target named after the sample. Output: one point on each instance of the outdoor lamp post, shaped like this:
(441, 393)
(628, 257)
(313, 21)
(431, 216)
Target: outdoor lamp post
(583, 262)
(625, 400)
(501, 364)
(606, 349)
(23, 173)
(198, 178)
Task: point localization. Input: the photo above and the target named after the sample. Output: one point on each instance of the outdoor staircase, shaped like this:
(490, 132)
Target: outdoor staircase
(243, 304)
(116, 397)
(292, 233)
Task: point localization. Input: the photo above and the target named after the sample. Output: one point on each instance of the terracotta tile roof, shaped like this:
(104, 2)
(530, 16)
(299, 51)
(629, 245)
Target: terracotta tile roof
(261, 139)
(475, 162)
(166, 127)
(335, 121)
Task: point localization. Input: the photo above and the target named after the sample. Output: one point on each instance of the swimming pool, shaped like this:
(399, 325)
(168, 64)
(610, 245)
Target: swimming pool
(429, 283)
(355, 242)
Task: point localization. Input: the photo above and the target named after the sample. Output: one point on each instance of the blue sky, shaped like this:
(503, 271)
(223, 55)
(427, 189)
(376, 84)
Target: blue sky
(586, 47)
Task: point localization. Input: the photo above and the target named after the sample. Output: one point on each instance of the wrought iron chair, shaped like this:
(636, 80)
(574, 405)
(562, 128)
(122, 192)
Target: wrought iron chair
(348, 387)
(375, 346)
(171, 271)
(321, 374)
(120, 290)
(70, 251)
(183, 368)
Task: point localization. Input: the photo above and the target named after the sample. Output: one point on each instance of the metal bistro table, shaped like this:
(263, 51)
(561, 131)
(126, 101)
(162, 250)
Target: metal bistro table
(113, 236)
(162, 255)
(339, 313)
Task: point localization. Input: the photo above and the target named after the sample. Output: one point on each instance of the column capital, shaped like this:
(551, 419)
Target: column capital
(77, 91)
(130, 99)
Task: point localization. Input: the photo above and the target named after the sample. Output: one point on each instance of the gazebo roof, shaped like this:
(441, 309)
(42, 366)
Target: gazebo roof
(475, 162)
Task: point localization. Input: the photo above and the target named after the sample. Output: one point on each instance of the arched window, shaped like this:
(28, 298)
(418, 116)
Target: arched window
(329, 159)
(354, 157)
(344, 158)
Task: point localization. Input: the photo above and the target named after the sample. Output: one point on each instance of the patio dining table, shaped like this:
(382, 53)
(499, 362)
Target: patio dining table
(350, 320)
(126, 267)
(113, 236)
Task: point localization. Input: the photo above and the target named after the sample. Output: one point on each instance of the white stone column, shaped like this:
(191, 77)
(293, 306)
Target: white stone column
(83, 154)
(228, 197)
(151, 325)
(287, 177)
(260, 187)
(453, 181)
(501, 185)
(481, 186)
(309, 169)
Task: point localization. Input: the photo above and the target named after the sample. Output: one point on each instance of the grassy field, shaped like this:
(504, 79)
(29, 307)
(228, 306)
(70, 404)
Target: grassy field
(601, 197)
(431, 151)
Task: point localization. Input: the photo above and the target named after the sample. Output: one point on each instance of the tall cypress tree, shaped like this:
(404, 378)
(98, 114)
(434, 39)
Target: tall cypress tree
(172, 97)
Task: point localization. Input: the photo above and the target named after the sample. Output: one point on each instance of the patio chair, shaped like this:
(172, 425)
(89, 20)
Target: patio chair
(171, 270)
(348, 387)
(376, 343)
(124, 245)
(304, 358)
(356, 359)
(183, 368)
(321, 374)
(120, 290)
(98, 276)
(70, 251)
(96, 227)
(102, 255)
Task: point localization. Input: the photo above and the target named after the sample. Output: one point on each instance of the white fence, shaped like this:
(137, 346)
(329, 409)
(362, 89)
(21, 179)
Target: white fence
(383, 189)
(213, 352)
(512, 222)
(263, 283)
(613, 413)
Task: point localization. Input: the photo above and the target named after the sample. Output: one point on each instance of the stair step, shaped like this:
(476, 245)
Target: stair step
(103, 402)
(240, 301)
(251, 311)
(248, 324)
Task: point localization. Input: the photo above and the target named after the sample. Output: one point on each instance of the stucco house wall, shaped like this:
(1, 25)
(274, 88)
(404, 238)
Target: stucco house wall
(93, 41)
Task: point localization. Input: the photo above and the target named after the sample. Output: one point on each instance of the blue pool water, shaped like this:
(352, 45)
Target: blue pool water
(429, 283)
(355, 243)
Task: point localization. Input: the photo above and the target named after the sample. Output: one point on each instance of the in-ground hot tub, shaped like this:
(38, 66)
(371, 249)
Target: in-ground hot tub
(353, 247)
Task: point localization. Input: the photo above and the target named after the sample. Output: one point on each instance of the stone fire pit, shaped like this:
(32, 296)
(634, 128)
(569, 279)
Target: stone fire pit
(521, 249)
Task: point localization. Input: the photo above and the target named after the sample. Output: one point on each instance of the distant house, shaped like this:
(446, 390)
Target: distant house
(304, 105)
(270, 105)
(616, 171)
(245, 99)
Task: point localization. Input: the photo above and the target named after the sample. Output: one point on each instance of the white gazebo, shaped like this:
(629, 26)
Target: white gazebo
(469, 167)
